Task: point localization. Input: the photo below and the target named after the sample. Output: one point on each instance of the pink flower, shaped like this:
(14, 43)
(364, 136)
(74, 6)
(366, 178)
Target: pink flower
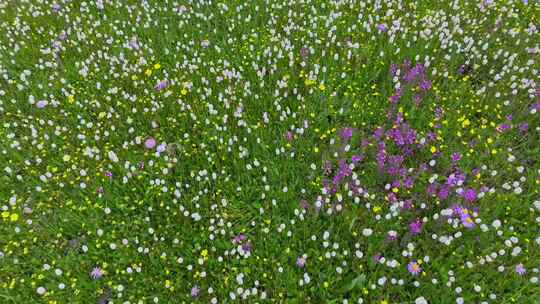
(288, 136)
(150, 143)
(414, 268)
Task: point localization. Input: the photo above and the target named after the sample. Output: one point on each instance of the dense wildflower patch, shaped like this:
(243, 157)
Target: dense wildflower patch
(269, 151)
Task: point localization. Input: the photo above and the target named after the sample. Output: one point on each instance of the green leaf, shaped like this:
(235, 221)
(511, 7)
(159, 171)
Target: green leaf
(355, 283)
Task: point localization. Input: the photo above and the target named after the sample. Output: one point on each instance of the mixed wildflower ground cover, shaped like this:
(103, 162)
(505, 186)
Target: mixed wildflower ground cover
(269, 151)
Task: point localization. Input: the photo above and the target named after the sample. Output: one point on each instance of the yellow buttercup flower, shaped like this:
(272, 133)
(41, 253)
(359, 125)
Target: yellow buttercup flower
(204, 253)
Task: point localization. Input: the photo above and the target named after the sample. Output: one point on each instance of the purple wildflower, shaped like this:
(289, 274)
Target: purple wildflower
(469, 195)
(415, 227)
(487, 3)
(417, 99)
(457, 210)
(96, 273)
(346, 134)
(431, 136)
(463, 69)
(378, 132)
(467, 221)
(134, 44)
(364, 142)
(300, 262)
(381, 156)
(327, 167)
(247, 246)
(408, 182)
(161, 85)
(304, 52)
(502, 127)
(523, 127)
(407, 204)
(439, 112)
(195, 290)
(288, 135)
(535, 106)
(41, 104)
(304, 204)
(414, 73)
(357, 158)
(394, 98)
(161, 148)
(520, 269)
(55, 8)
(431, 189)
(382, 27)
(425, 85)
(414, 268)
(443, 193)
(391, 236)
(455, 157)
(393, 69)
(239, 238)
